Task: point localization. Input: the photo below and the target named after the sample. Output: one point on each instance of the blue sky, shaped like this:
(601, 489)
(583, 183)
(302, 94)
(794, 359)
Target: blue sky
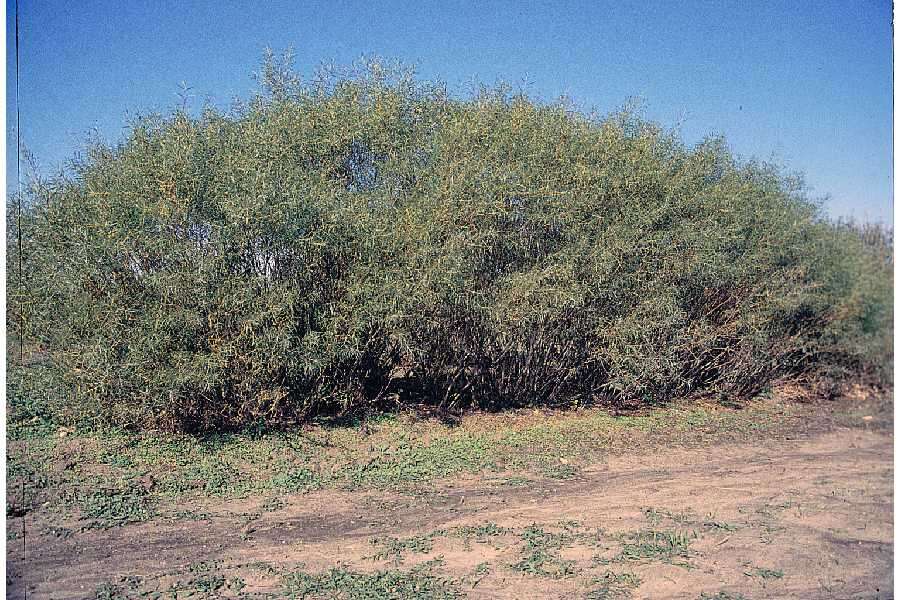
(806, 83)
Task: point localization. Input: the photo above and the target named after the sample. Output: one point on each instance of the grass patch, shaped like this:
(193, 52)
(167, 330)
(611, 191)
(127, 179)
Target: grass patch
(541, 553)
(515, 481)
(109, 591)
(394, 548)
(190, 515)
(655, 516)
(480, 534)
(297, 480)
(419, 582)
(613, 585)
(398, 453)
(564, 472)
(481, 571)
(409, 462)
(720, 525)
(116, 507)
(656, 545)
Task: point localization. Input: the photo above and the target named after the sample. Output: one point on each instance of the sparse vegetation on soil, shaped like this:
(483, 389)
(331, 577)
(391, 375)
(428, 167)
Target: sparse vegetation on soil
(778, 499)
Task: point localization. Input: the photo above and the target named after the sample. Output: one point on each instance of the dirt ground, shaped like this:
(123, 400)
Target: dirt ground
(808, 517)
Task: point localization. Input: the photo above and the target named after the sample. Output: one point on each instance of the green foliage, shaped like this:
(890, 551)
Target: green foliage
(296, 480)
(541, 553)
(394, 548)
(116, 507)
(765, 573)
(411, 461)
(656, 545)
(31, 392)
(614, 585)
(343, 583)
(361, 236)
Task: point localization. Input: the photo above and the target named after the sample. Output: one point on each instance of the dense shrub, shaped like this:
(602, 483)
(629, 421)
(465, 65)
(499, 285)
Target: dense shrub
(362, 235)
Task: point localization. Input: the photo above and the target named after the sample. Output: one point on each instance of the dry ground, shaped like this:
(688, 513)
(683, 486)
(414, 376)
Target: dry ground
(779, 500)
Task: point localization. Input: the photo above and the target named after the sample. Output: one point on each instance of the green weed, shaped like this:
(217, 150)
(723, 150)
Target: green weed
(394, 548)
(540, 553)
(297, 480)
(116, 507)
(479, 533)
(352, 585)
(656, 545)
(613, 586)
(764, 573)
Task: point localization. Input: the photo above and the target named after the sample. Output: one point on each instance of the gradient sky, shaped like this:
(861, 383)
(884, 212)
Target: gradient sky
(808, 84)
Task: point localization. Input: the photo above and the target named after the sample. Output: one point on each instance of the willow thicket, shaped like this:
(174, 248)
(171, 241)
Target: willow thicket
(362, 237)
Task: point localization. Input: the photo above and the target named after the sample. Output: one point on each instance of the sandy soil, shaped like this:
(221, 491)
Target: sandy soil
(805, 518)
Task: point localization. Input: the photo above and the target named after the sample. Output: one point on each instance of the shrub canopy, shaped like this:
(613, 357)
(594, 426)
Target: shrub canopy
(364, 236)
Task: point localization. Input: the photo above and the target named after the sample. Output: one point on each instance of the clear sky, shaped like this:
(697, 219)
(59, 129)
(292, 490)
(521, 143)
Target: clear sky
(806, 83)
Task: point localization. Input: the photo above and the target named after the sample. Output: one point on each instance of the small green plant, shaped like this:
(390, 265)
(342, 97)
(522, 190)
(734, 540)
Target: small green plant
(540, 553)
(655, 516)
(561, 471)
(109, 591)
(481, 571)
(266, 568)
(721, 525)
(115, 507)
(272, 504)
(515, 481)
(297, 480)
(205, 585)
(236, 584)
(419, 582)
(613, 585)
(764, 573)
(478, 533)
(125, 588)
(117, 456)
(190, 515)
(394, 548)
(656, 545)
